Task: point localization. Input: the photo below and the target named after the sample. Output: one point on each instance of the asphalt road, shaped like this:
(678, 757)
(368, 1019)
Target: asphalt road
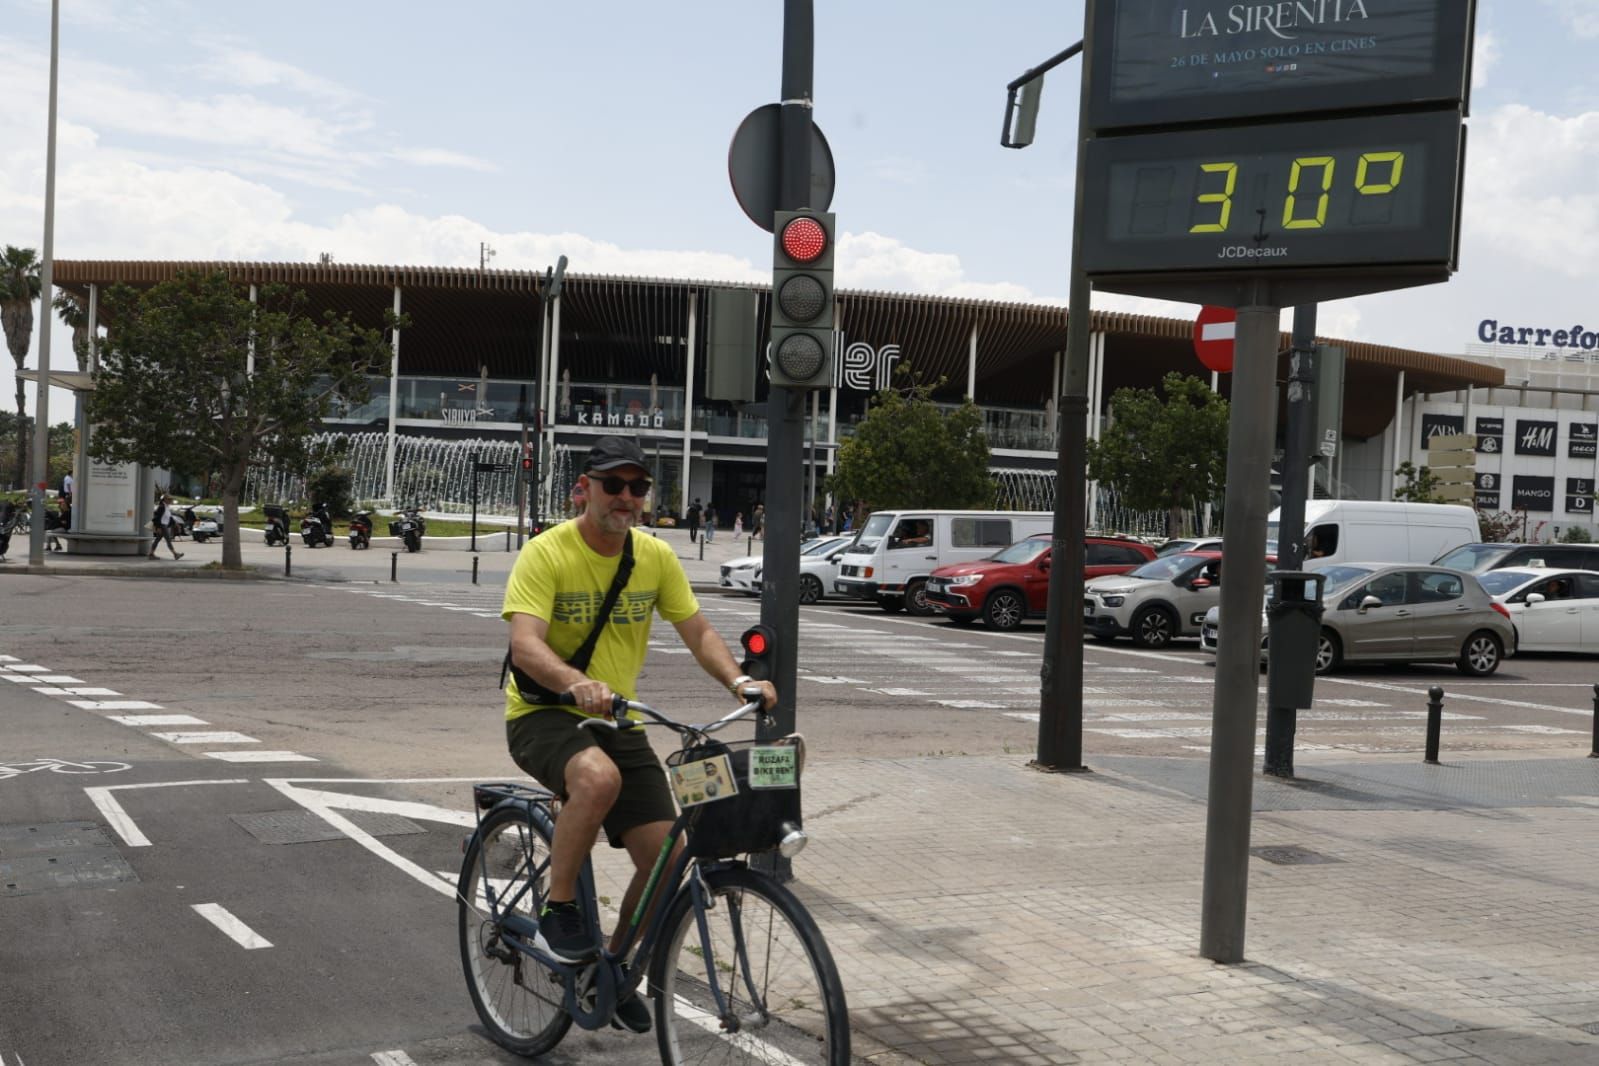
(378, 702)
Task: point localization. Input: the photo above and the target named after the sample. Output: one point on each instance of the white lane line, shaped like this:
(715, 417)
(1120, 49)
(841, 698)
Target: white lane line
(156, 719)
(1421, 694)
(24, 679)
(241, 934)
(102, 798)
(9, 659)
(222, 736)
(900, 691)
(29, 668)
(117, 818)
(115, 705)
(60, 679)
(259, 756)
(824, 680)
(392, 1058)
(90, 690)
(965, 705)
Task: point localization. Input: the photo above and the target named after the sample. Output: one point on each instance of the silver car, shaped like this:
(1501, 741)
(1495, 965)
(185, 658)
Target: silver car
(1162, 600)
(1414, 614)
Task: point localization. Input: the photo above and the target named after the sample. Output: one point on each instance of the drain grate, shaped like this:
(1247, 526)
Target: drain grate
(303, 827)
(1291, 855)
(38, 858)
(1591, 1028)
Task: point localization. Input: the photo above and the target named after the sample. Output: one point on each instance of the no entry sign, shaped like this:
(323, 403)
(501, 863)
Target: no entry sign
(1213, 337)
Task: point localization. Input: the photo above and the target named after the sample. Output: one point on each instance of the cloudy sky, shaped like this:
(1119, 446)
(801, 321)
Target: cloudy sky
(398, 132)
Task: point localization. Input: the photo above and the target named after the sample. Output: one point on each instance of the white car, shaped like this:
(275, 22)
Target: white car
(739, 574)
(818, 566)
(1552, 610)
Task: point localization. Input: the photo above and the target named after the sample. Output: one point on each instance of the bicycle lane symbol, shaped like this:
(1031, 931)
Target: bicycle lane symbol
(60, 766)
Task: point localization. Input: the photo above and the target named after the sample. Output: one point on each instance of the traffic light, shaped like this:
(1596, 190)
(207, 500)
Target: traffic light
(760, 643)
(801, 355)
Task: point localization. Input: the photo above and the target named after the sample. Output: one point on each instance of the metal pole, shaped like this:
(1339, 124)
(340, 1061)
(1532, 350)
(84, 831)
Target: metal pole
(1060, 717)
(41, 403)
(474, 503)
(1282, 719)
(1232, 751)
(1593, 753)
(1435, 722)
(394, 405)
(475, 561)
(394, 566)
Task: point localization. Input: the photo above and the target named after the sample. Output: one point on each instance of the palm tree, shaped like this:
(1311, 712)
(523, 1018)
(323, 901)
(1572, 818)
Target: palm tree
(73, 310)
(19, 287)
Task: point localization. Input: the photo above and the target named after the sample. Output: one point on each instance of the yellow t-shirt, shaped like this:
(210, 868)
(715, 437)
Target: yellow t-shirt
(559, 578)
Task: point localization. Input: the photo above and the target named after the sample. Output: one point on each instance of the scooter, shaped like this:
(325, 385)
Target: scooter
(361, 530)
(409, 527)
(205, 527)
(277, 527)
(316, 528)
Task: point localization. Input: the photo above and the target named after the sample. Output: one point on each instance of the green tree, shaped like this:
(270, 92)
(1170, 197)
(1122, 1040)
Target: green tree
(908, 452)
(19, 287)
(73, 310)
(175, 388)
(1421, 484)
(1164, 453)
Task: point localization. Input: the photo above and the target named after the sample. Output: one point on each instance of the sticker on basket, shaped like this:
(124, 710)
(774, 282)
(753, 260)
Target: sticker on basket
(775, 767)
(703, 781)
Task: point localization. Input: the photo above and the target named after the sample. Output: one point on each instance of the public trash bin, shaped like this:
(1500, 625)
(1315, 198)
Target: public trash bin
(1294, 617)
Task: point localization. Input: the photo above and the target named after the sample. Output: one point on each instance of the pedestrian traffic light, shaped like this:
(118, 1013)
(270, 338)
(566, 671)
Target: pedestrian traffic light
(801, 352)
(760, 643)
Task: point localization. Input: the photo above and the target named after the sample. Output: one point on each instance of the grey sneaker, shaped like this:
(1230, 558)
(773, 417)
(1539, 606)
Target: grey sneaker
(564, 934)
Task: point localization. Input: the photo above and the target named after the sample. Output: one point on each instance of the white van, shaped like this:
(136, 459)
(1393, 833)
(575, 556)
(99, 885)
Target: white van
(1379, 531)
(896, 550)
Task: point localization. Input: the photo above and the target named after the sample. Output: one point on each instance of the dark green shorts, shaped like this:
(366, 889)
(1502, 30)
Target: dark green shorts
(543, 742)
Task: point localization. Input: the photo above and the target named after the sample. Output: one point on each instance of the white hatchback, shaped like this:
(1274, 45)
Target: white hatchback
(819, 560)
(1552, 610)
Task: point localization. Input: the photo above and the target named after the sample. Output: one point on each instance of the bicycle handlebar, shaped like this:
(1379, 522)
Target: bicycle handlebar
(621, 704)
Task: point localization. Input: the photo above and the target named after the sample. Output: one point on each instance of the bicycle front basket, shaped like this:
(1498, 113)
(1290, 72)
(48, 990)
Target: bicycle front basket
(749, 820)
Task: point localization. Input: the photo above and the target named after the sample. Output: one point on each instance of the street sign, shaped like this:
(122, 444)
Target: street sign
(1161, 62)
(752, 166)
(1214, 331)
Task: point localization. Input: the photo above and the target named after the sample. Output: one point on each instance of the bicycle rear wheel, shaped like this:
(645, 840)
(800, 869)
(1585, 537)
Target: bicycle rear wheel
(774, 971)
(518, 1001)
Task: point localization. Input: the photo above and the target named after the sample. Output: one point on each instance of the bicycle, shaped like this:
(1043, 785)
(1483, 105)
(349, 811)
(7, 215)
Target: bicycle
(727, 951)
(60, 766)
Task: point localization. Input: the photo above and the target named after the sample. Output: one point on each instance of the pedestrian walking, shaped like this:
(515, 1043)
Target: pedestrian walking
(161, 526)
(738, 524)
(694, 512)
(710, 522)
(758, 521)
(60, 522)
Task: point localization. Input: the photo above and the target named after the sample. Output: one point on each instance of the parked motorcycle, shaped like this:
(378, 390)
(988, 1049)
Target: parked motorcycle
(316, 528)
(409, 527)
(205, 527)
(361, 530)
(277, 527)
(182, 522)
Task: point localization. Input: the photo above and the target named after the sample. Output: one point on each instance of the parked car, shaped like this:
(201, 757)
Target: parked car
(1552, 610)
(897, 551)
(1414, 614)
(818, 563)
(1479, 558)
(1189, 544)
(1157, 603)
(739, 574)
(1013, 584)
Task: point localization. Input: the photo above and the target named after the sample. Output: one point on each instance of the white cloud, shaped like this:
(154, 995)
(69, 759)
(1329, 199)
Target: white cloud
(442, 157)
(232, 64)
(1484, 54)
(1580, 16)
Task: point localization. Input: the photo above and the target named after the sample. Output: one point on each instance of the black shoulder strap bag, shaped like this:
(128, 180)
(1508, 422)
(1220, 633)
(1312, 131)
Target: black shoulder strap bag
(531, 690)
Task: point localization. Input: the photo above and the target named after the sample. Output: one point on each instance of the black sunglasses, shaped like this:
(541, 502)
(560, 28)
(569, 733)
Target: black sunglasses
(614, 484)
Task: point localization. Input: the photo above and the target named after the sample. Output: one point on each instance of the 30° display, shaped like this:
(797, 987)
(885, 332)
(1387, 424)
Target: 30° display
(1348, 192)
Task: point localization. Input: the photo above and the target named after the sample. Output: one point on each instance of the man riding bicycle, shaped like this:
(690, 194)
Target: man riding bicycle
(605, 778)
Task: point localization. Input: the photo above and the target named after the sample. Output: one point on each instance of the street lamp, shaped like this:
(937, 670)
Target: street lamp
(41, 404)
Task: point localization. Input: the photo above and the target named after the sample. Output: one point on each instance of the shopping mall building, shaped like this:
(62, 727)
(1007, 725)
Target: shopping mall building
(628, 355)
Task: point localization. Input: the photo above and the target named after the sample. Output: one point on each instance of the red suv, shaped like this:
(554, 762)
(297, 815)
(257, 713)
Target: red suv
(1013, 584)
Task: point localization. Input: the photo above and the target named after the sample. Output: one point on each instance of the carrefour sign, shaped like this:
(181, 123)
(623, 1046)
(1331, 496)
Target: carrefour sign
(1493, 331)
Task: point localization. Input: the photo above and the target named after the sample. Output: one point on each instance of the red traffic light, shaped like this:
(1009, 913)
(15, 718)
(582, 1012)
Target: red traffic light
(757, 640)
(527, 462)
(804, 239)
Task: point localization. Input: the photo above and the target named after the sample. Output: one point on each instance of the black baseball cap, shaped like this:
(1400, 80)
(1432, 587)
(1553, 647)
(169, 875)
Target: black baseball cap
(611, 452)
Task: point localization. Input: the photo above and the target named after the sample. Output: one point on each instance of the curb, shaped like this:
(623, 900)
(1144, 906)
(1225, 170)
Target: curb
(120, 570)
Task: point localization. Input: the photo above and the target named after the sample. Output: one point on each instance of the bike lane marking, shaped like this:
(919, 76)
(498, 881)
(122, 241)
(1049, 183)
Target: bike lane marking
(117, 817)
(237, 931)
(392, 1058)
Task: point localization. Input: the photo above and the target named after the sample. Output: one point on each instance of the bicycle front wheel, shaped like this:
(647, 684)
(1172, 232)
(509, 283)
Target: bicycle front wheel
(783, 997)
(518, 1000)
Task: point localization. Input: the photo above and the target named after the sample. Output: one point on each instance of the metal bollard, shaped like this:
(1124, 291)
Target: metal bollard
(1435, 721)
(1594, 753)
(288, 549)
(474, 570)
(394, 566)
(702, 549)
